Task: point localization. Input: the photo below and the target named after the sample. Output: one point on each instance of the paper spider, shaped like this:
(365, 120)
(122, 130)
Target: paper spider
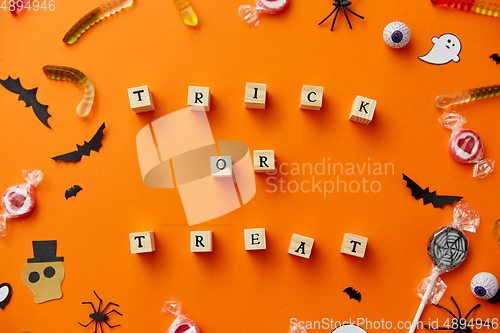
(459, 324)
(99, 316)
(338, 5)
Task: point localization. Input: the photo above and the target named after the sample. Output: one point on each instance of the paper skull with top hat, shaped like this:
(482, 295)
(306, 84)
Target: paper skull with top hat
(44, 273)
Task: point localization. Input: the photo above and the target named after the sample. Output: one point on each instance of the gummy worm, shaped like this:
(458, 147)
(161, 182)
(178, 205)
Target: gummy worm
(93, 17)
(78, 78)
(465, 96)
(479, 7)
(187, 12)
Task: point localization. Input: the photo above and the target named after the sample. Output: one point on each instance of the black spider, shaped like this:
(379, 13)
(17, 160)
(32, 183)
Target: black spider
(459, 324)
(99, 316)
(338, 5)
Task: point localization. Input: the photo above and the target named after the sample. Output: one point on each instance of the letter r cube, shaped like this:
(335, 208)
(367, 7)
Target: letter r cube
(263, 161)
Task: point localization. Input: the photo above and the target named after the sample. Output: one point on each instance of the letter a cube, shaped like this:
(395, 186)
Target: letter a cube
(301, 246)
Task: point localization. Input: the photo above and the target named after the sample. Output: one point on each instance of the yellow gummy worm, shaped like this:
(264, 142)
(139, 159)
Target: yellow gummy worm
(78, 78)
(93, 17)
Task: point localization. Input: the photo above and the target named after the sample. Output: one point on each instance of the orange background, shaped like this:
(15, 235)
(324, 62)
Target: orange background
(231, 289)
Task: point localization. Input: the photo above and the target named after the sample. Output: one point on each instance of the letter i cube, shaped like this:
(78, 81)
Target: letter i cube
(362, 110)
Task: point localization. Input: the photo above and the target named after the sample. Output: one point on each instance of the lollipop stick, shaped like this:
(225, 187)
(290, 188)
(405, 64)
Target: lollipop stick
(427, 294)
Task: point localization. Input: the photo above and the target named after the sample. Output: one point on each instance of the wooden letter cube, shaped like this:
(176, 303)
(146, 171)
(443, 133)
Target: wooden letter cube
(201, 241)
(141, 99)
(362, 110)
(301, 246)
(354, 245)
(311, 97)
(263, 161)
(255, 239)
(141, 242)
(221, 166)
(199, 98)
(255, 96)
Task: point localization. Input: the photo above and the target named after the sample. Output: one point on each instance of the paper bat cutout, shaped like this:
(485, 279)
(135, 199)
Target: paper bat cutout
(353, 293)
(429, 197)
(94, 144)
(72, 191)
(495, 57)
(29, 97)
(5, 293)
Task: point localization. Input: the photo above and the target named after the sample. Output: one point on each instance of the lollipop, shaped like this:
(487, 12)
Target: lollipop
(448, 248)
(181, 323)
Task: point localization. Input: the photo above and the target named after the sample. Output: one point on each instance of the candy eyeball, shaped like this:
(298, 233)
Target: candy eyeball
(396, 35)
(484, 285)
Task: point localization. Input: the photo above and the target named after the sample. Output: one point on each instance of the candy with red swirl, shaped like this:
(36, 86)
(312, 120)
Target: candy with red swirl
(181, 324)
(19, 200)
(271, 6)
(250, 14)
(465, 146)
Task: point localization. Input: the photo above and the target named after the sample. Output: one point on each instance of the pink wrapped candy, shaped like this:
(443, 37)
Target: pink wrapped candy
(465, 146)
(181, 324)
(250, 14)
(19, 200)
(271, 6)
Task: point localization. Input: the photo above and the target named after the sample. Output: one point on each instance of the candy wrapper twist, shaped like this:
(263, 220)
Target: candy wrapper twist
(250, 14)
(19, 200)
(297, 329)
(181, 322)
(447, 248)
(465, 146)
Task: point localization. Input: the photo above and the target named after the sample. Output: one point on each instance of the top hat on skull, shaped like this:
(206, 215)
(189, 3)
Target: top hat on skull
(44, 273)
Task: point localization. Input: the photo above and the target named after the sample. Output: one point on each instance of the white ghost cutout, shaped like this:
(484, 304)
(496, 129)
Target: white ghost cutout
(446, 48)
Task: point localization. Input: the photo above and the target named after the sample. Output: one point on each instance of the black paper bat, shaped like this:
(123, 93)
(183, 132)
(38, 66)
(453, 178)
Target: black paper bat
(72, 191)
(29, 97)
(429, 197)
(495, 57)
(5, 296)
(353, 293)
(94, 144)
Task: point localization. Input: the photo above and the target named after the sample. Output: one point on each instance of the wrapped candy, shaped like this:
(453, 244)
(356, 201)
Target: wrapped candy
(250, 14)
(181, 324)
(465, 146)
(19, 200)
(297, 329)
(447, 248)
